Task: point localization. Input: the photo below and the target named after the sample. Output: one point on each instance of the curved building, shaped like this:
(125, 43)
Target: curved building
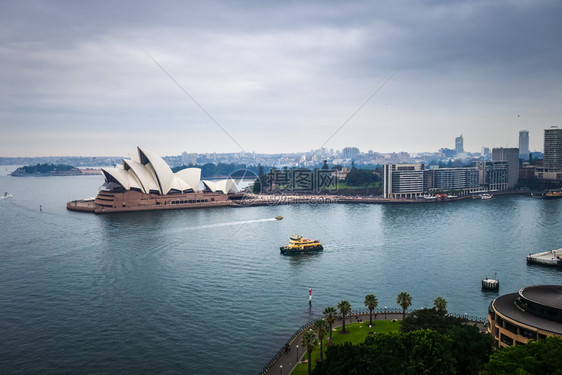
(148, 183)
(534, 312)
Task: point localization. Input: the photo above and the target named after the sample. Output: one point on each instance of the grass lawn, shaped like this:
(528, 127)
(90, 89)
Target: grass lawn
(356, 335)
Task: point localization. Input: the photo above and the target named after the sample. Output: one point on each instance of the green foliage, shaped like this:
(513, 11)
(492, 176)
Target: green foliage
(330, 314)
(417, 352)
(321, 328)
(356, 334)
(440, 305)
(404, 300)
(371, 302)
(309, 341)
(429, 319)
(344, 307)
(457, 348)
(46, 168)
(537, 357)
(470, 348)
(361, 177)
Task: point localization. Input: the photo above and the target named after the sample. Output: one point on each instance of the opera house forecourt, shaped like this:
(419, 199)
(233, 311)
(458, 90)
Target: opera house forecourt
(534, 312)
(148, 183)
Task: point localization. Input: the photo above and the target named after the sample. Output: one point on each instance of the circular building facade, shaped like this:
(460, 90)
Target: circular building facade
(534, 312)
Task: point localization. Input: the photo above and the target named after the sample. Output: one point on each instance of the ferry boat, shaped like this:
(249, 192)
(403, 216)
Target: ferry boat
(553, 195)
(299, 245)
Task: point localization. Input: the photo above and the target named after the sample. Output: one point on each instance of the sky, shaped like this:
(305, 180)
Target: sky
(100, 78)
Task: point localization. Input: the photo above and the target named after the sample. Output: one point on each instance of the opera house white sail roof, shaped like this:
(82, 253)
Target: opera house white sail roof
(150, 174)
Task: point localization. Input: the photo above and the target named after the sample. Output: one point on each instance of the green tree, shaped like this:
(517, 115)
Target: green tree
(440, 305)
(309, 341)
(345, 308)
(537, 357)
(330, 314)
(418, 352)
(405, 301)
(429, 319)
(371, 303)
(321, 328)
(470, 348)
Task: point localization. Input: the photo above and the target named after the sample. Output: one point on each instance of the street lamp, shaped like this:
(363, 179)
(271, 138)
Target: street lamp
(281, 369)
(385, 313)
(297, 354)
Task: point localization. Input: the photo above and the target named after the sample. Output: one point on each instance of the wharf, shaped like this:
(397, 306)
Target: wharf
(549, 258)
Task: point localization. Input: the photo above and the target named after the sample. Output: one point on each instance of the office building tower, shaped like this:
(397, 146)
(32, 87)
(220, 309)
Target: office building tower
(459, 147)
(405, 180)
(524, 145)
(511, 156)
(463, 180)
(493, 175)
(553, 149)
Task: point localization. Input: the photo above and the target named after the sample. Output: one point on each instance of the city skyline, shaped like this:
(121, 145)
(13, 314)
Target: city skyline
(78, 79)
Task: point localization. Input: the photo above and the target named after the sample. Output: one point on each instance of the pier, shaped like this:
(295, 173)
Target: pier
(549, 258)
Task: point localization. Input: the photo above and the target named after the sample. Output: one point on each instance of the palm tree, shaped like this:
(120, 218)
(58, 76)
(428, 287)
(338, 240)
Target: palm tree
(321, 328)
(330, 314)
(309, 341)
(371, 302)
(440, 305)
(344, 307)
(405, 301)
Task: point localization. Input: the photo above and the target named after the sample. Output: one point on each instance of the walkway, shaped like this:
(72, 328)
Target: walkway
(287, 362)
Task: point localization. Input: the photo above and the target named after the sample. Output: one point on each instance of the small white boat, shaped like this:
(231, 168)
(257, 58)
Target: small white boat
(6, 195)
(486, 196)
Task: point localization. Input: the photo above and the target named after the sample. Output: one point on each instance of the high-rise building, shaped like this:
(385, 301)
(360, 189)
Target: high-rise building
(350, 153)
(405, 180)
(511, 155)
(459, 147)
(553, 148)
(464, 179)
(524, 144)
(493, 175)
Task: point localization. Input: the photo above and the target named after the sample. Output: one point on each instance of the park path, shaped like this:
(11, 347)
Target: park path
(287, 362)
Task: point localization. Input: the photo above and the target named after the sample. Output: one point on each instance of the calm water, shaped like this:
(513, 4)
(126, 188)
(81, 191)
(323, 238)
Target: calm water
(206, 291)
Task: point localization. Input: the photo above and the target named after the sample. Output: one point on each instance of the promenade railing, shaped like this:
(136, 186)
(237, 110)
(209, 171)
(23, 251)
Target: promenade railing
(353, 313)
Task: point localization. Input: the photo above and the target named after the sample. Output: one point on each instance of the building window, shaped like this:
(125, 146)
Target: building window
(506, 340)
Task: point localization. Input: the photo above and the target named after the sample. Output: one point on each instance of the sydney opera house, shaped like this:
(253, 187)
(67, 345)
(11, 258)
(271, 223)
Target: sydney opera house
(148, 183)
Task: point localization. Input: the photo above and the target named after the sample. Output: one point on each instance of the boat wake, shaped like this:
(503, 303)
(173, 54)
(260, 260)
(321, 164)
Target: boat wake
(231, 224)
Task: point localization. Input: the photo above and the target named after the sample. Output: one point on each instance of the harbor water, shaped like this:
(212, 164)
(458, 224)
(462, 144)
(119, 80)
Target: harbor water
(206, 291)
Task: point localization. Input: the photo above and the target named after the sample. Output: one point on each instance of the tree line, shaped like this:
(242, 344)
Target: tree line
(430, 341)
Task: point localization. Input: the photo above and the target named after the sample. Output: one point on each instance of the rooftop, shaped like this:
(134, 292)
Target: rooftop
(545, 295)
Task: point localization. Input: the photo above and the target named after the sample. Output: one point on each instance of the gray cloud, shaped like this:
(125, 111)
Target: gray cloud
(267, 71)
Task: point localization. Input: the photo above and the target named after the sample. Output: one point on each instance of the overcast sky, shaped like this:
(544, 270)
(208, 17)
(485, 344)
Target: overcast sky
(100, 78)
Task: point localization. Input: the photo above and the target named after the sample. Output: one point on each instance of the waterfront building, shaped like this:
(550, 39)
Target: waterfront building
(493, 175)
(463, 180)
(535, 312)
(511, 155)
(459, 145)
(405, 181)
(524, 144)
(552, 165)
(147, 183)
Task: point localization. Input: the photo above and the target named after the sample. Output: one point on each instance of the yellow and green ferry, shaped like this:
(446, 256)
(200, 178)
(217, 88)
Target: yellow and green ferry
(299, 245)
